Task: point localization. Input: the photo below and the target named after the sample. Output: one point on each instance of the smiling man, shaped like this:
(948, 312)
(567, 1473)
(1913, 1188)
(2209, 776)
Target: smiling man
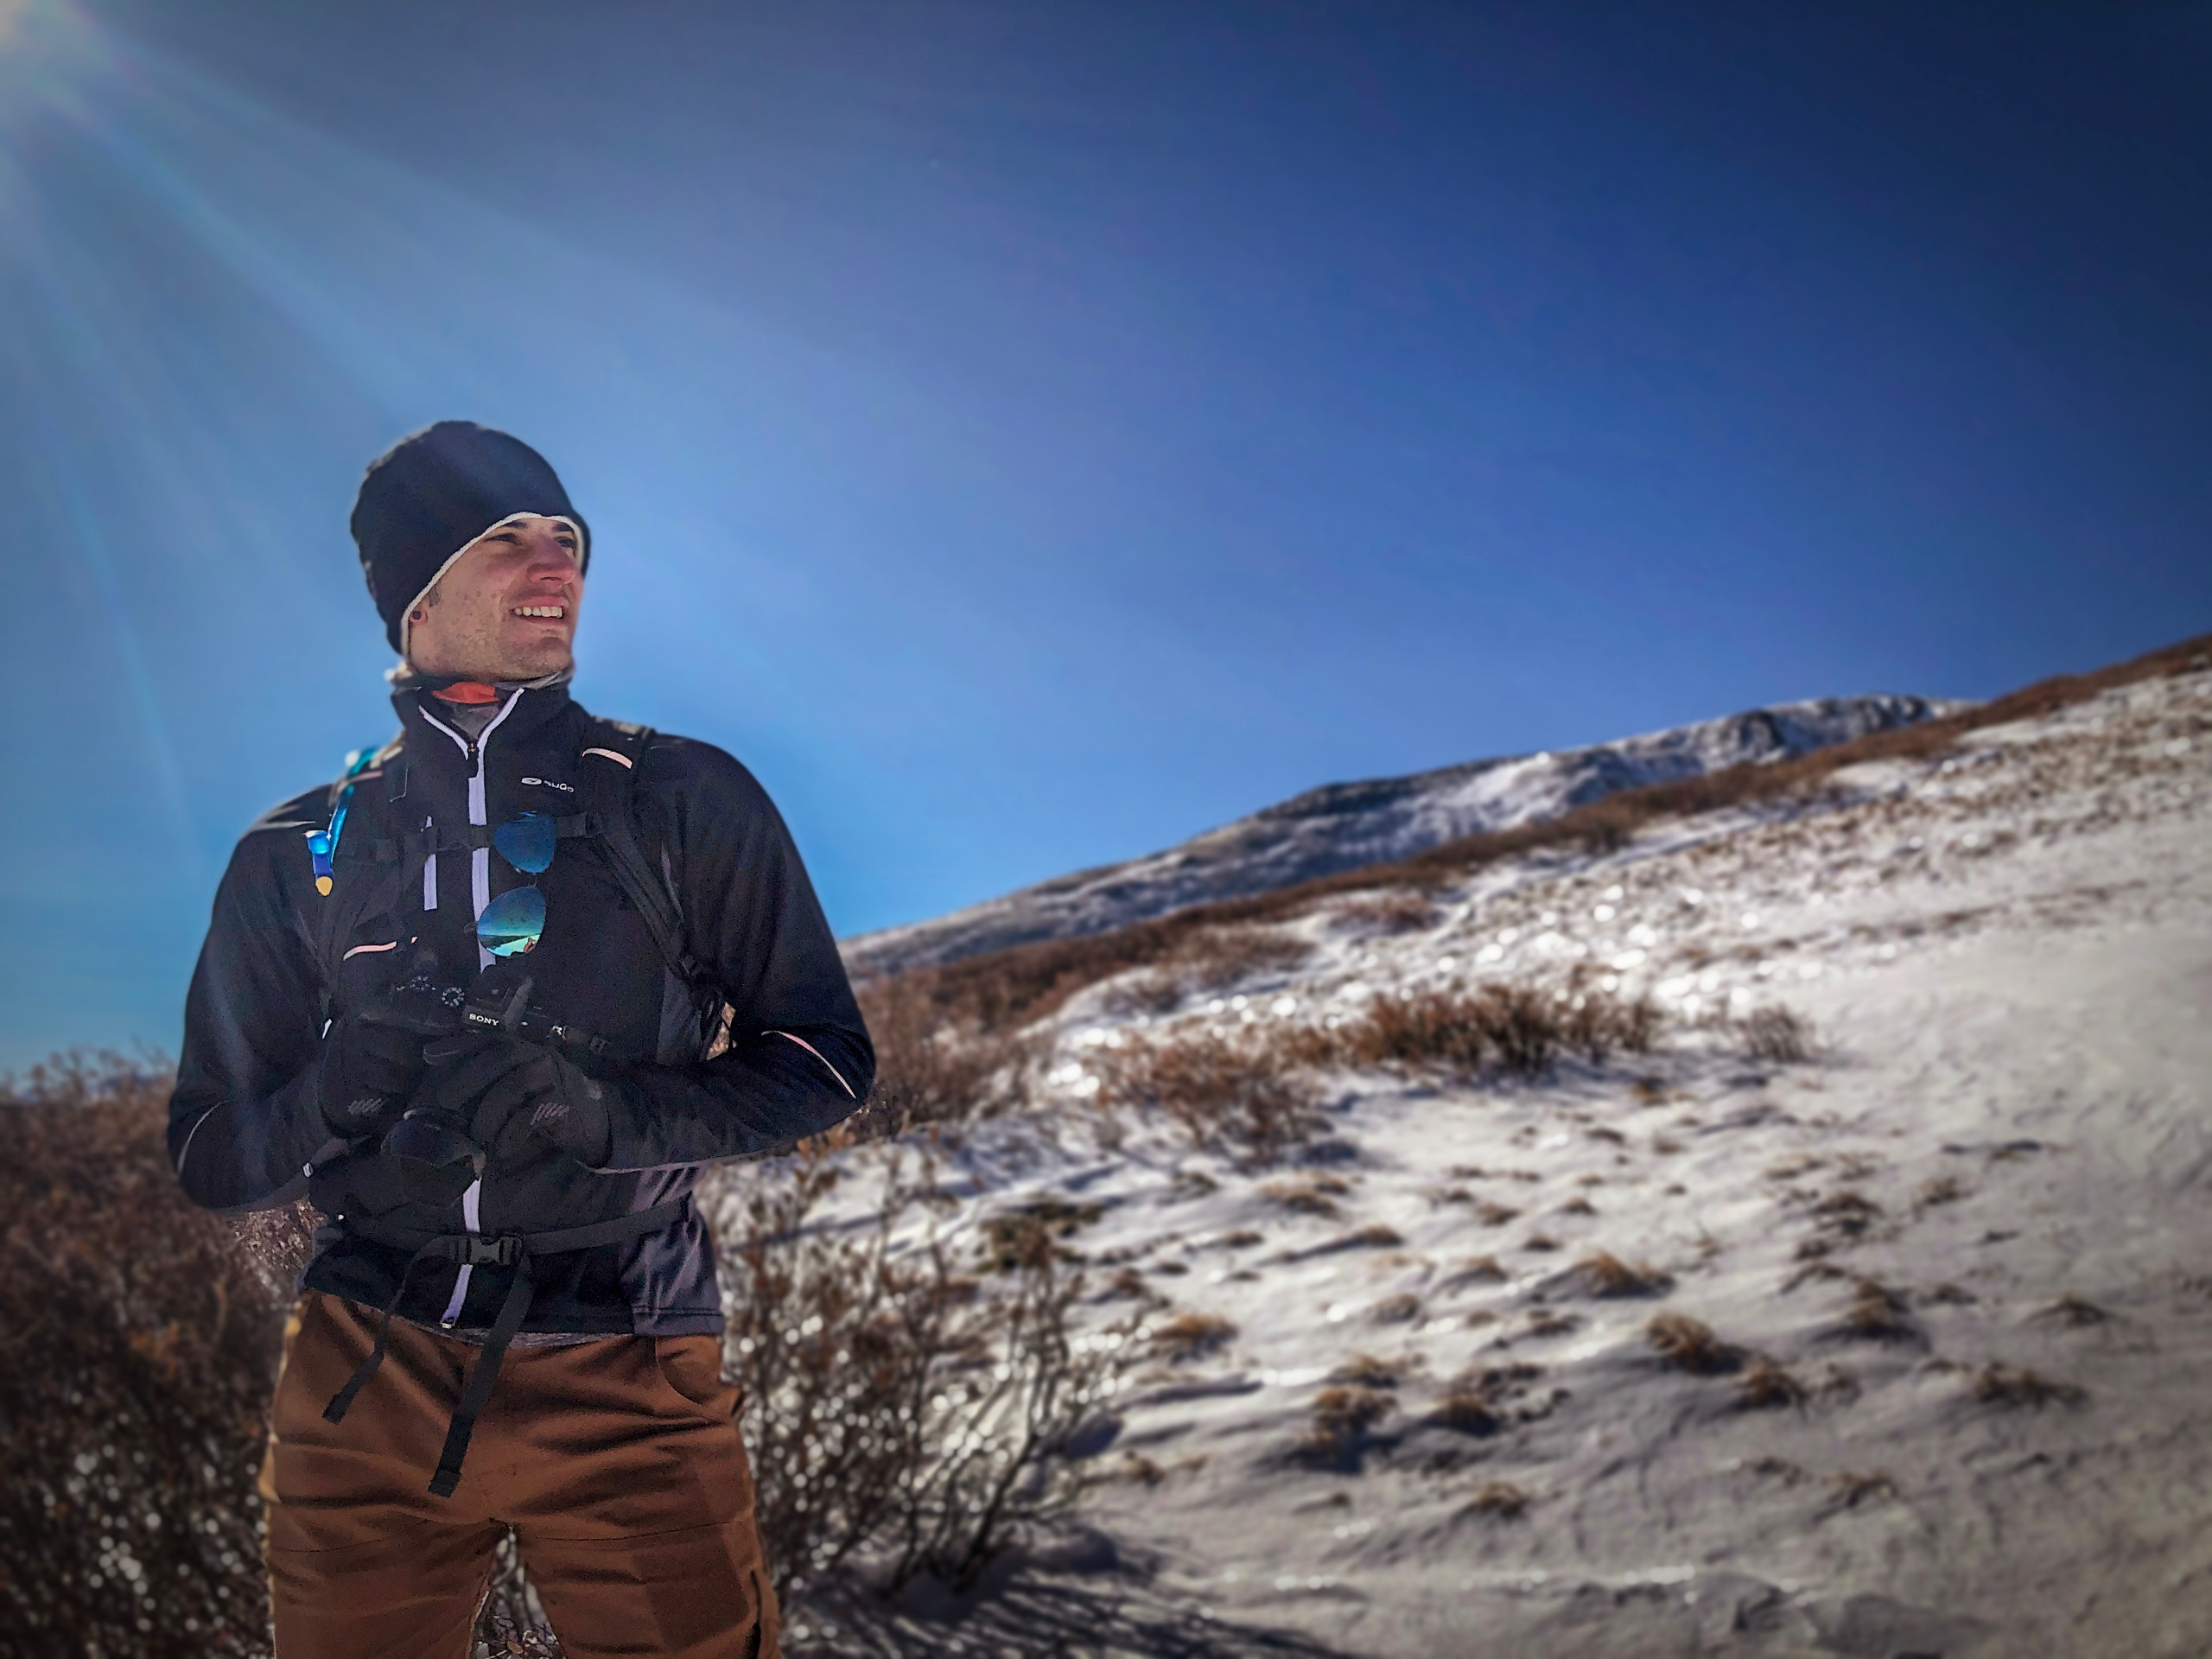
(491, 1001)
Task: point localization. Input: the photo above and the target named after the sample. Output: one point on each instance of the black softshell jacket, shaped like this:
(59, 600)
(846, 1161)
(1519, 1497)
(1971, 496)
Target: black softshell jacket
(244, 1130)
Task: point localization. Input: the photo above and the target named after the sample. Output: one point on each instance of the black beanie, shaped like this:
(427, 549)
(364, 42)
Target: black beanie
(436, 492)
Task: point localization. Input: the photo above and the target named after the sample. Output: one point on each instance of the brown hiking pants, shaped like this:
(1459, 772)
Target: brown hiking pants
(617, 1463)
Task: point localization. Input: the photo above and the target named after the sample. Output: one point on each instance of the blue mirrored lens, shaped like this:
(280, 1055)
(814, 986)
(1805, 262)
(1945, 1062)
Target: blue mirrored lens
(528, 841)
(513, 922)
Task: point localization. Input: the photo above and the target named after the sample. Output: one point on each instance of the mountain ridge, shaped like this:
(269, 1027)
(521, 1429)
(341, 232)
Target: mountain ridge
(1343, 826)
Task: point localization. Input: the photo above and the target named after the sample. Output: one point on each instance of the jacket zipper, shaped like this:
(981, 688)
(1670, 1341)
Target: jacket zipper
(480, 894)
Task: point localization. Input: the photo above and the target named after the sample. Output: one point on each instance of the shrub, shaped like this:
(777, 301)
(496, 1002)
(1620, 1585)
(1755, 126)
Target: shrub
(144, 1343)
(930, 1068)
(1233, 1094)
(1517, 1030)
(894, 1405)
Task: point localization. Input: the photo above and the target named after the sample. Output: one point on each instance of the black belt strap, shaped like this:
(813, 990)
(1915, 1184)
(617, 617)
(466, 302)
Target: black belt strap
(514, 1250)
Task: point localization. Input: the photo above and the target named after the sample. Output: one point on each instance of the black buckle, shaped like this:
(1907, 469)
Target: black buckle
(501, 1252)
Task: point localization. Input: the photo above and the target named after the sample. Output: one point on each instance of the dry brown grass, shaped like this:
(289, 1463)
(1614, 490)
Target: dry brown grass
(1690, 1345)
(1475, 1270)
(1846, 1214)
(1237, 1095)
(1777, 1035)
(1315, 1195)
(932, 1066)
(1397, 1309)
(1941, 1189)
(1368, 1371)
(1877, 1313)
(1603, 1274)
(2073, 1310)
(1499, 1499)
(1466, 1411)
(1852, 1489)
(1003, 989)
(1214, 958)
(1399, 910)
(1764, 1385)
(1997, 1384)
(1342, 1418)
(1515, 1030)
(1192, 1335)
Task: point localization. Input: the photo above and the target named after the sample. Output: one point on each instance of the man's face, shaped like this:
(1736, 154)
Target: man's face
(506, 609)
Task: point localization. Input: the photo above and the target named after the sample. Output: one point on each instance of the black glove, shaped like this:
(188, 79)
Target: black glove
(371, 1058)
(523, 1101)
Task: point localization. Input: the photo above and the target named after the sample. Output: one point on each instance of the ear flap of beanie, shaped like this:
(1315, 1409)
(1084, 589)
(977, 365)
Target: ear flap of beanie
(435, 491)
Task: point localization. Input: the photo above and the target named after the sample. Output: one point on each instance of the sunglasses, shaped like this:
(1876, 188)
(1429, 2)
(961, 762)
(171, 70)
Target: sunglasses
(512, 923)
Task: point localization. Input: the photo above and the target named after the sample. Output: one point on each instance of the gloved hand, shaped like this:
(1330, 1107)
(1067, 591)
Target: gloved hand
(371, 1059)
(523, 1100)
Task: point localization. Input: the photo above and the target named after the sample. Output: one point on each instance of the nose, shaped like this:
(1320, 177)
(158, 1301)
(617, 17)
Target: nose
(548, 557)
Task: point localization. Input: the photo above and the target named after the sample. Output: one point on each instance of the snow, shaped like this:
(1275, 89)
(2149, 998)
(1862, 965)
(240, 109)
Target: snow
(2006, 956)
(1344, 825)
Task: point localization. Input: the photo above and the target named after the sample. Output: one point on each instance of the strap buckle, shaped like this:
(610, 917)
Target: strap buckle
(505, 1251)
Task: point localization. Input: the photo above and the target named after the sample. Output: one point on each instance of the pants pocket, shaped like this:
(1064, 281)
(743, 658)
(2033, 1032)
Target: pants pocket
(691, 1367)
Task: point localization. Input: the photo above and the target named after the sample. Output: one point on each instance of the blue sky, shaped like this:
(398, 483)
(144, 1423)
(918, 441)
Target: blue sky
(1028, 434)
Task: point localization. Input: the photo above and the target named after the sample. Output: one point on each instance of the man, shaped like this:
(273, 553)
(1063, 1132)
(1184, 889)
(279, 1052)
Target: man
(471, 1002)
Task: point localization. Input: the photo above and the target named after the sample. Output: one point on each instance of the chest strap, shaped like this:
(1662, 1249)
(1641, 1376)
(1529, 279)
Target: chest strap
(513, 1250)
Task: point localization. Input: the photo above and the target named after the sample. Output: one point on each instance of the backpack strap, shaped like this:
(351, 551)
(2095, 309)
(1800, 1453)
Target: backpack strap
(607, 768)
(361, 795)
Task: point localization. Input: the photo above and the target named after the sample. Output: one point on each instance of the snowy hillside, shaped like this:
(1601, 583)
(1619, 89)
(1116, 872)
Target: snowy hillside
(1903, 1344)
(1344, 825)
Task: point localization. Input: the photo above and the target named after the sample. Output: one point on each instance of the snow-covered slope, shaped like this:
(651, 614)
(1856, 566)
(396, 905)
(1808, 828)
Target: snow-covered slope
(1971, 1235)
(1344, 825)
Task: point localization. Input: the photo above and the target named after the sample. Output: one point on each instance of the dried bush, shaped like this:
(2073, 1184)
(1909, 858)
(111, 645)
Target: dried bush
(930, 1068)
(1517, 1030)
(897, 1409)
(1688, 1345)
(1216, 957)
(1775, 1034)
(141, 1346)
(1233, 1094)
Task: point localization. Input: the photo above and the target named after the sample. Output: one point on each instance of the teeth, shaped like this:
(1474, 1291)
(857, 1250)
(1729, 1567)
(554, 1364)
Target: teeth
(555, 611)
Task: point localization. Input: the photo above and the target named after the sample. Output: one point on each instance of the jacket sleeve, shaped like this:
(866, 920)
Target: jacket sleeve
(799, 1059)
(243, 1125)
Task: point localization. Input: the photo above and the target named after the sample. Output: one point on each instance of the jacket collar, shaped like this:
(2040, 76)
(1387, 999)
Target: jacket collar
(526, 711)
